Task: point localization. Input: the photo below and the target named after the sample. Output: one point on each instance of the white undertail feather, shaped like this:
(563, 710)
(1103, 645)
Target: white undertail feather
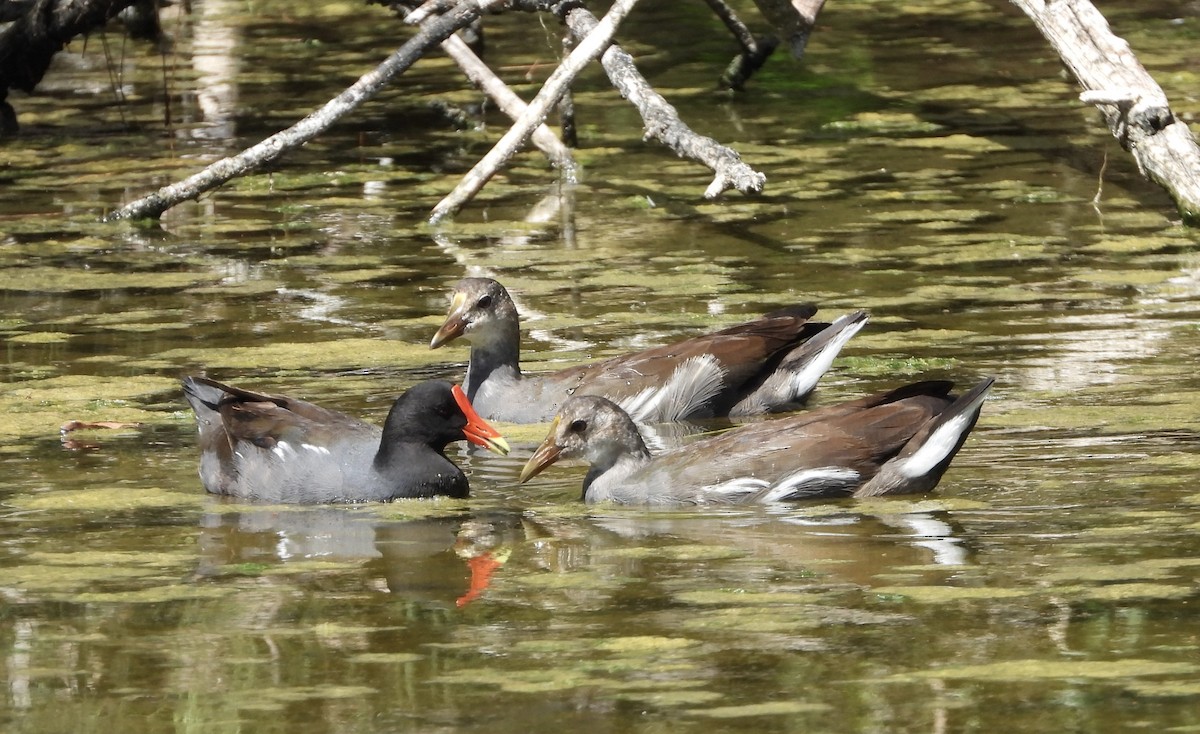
(805, 381)
(787, 384)
(940, 443)
(693, 383)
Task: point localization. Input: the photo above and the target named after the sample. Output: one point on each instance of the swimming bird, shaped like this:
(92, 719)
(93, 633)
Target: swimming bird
(769, 364)
(897, 442)
(273, 448)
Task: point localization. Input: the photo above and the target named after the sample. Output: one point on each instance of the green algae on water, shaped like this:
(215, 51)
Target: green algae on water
(152, 595)
(690, 553)
(318, 355)
(114, 498)
(1034, 670)
(951, 594)
(770, 708)
(386, 658)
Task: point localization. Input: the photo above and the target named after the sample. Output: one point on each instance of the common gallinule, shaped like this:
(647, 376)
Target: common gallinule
(897, 442)
(277, 449)
(771, 363)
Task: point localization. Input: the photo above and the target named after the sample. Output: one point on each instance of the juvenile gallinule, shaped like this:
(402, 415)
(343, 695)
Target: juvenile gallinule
(897, 442)
(277, 449)
(771, 363)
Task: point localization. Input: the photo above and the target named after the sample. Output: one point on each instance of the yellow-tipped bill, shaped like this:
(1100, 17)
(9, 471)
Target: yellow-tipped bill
(547, 453)
(455, 323)
(478, 431)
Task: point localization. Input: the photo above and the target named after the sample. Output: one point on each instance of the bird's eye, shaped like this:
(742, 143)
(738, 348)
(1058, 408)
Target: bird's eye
(578, 426)
(484, 302)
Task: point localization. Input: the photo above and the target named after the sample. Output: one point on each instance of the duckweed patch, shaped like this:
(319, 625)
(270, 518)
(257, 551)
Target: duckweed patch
(109, 559)
(584, 580)
(689, 553)
(771, 708)
(350, 353)
(895, 366)
(38, 407)
(1165, 689)
(1131, 591)
(386, 658)
(1035, 670)
(50, 578)
(950, 594)
(739, 597)
(40, 337)
(97, 499)
(753, 620)
(644, 645)
(152, 595)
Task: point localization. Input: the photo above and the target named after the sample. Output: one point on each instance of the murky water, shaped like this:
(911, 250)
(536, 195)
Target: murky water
(927, 163)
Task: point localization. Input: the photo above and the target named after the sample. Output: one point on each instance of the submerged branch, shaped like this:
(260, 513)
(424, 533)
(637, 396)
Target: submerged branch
(431, 33)
(1133, 104)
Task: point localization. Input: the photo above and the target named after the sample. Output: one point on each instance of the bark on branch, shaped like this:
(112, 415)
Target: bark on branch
(431, 33)
(662, 120)
(39, 30)
(1133, 104)
(509, 103)
(584, 53)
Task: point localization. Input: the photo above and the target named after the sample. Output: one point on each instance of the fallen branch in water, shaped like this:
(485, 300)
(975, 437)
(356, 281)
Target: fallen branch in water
(589, 47)
(662, 121)
(431, 33)
(509, 103)
(1133, 104)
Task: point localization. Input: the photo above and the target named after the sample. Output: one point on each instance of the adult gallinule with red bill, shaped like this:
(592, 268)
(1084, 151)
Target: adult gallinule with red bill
(769, 364)
(897, 442)
(272, 448)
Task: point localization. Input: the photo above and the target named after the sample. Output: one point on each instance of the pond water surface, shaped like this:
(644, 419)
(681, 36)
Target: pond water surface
(927, 162)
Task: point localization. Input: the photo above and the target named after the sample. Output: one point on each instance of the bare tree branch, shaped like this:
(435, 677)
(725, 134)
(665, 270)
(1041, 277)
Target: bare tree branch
(1133, 104)
(431, 33)
(38, 31)
(754, 52)
(508, 102)
(793, 20)
(662, 120)
(589, 47)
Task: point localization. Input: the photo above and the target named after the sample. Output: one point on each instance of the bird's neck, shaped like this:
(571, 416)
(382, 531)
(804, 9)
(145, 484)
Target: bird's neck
(406, 470)
(611, 475)
(615, 461)
(394, 455)
(497, 350)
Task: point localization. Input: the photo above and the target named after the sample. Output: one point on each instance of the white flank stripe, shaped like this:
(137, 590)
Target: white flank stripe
(317, 449)
(283, 450)
(827, 479)
(734, 489)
